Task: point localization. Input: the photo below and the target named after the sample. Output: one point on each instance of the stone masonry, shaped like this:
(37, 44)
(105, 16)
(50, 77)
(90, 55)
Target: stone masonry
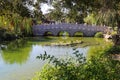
(87, 30)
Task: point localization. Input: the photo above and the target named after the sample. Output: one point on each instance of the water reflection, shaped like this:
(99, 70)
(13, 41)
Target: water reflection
(97, 50)
(18, 61)
(16, 52)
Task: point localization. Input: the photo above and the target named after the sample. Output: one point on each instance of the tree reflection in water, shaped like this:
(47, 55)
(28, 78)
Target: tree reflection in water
(17, 51)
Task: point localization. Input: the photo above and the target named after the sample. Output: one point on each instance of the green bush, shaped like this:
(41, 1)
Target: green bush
(114, 50)
(99, 35)
(77, 68)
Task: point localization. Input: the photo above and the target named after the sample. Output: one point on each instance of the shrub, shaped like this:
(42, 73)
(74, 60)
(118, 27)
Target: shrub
(99, 35)
(97, 68)
(114, 50)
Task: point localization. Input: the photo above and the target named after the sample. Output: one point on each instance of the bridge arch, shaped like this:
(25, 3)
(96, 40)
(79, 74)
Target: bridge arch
(78, 34)
(98, 34)
(63, 33)
(48, 33)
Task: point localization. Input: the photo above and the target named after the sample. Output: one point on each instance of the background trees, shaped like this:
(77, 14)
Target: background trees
(105, 12)
(98, 12)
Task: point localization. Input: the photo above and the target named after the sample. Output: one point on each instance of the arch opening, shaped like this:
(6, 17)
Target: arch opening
(48, 33)
(99, 35)
(63, 33)
(78, 34)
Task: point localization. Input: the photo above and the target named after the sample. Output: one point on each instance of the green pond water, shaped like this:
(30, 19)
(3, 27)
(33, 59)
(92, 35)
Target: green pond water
(18, 58)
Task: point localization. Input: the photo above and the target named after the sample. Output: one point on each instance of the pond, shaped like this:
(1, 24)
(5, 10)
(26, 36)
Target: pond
(18, 58)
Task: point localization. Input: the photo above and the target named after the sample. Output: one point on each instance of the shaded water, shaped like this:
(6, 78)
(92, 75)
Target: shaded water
(18, 59)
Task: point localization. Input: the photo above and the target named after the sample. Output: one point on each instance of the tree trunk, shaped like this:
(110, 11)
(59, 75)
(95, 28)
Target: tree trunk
(116, 38)
(118, 26)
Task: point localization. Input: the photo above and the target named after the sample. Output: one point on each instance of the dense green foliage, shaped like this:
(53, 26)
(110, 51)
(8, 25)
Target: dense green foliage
(16, 18)
(100, 67)
(91, 19)
(114, 50)
(99, 35)
(98, 12)
(15, 26)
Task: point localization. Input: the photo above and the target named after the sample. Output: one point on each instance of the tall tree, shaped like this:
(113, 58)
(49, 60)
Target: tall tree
(14, 6)
(56, 13)
(107, 11)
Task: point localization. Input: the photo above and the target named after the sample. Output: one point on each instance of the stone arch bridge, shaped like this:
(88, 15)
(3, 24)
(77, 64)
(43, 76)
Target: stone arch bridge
(87, 30)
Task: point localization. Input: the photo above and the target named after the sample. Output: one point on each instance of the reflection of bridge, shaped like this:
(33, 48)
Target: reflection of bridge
(55, 29)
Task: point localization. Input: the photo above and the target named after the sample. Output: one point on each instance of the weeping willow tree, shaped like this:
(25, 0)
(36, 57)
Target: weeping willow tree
(109, 14)
(16, 16)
